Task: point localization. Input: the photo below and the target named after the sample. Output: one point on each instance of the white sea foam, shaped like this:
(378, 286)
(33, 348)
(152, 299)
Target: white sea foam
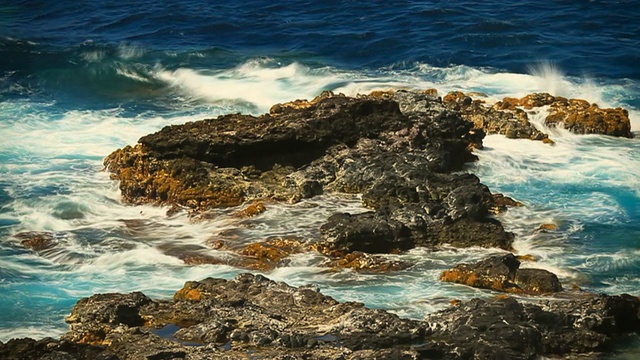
(250, 83)
(52, 162)
(36, 331)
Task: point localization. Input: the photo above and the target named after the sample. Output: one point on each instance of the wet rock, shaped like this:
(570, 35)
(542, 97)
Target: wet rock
(397, 148)
(364, 262)
(415, 203)
(465, 233)
(547, 227)
(505, 328)
(502, 203)
(199, 164)
(364, 232)
(537, 281)
(526, 257)
(228, 319)
(502, 118)
(50, 349)
(36, 240)
(578, 115)
(581, 117)
(253, 209)
(502, 273)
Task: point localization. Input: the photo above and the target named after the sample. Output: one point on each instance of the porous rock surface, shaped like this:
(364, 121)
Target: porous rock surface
(403, 154)
(254, 317)
(503, 273)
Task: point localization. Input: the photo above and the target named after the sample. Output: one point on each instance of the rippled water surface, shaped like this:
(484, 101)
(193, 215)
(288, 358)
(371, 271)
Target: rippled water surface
(81, 79)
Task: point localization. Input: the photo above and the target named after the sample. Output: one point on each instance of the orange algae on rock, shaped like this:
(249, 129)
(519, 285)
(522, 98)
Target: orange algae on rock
(502, 273)
(253, 209)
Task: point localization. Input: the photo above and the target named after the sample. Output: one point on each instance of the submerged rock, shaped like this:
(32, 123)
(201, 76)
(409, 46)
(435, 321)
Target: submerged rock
(37, 240)
(252, 315)
(502, 273)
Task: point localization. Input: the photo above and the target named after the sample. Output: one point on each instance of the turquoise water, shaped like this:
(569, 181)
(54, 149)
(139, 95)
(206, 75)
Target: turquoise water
(79, 80)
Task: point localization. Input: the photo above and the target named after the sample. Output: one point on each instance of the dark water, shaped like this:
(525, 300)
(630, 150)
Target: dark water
(74, 48)
(79, 79)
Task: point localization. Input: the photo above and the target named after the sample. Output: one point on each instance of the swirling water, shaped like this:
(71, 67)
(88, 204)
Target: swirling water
(81, 79)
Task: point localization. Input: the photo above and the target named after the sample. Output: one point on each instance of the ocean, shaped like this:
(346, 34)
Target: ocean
(80, 79)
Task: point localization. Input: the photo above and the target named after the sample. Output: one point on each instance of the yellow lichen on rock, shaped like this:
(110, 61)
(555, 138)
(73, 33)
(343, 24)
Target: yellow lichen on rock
(251, 210)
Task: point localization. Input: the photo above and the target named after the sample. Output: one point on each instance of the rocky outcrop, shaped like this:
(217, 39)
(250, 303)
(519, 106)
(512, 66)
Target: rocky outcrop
(400, 153)
(402, 150)
(504, 328)
(509, 116)
(234, 158)
(51, 349)
(252, 315)
(581, 117)
(503, 273)
(576, 115)
(503, 118)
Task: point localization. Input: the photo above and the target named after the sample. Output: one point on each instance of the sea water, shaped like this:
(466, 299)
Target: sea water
(81, 79)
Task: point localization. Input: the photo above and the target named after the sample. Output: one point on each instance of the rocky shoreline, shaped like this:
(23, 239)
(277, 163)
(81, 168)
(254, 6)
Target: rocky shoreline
(252, 317)
(404, 152)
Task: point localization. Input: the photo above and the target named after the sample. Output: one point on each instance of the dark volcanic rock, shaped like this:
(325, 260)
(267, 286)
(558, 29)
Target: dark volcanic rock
(93, 318)
(503, 328)
(225, 161)
(293, 137)
(249, 313)
(399, 152)
(50, 349)
(504, 118)
(222, 319)
(502, 273)
(365, 232)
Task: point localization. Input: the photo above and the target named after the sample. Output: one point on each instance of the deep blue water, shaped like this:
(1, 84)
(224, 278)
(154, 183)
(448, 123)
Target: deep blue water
(79, 79)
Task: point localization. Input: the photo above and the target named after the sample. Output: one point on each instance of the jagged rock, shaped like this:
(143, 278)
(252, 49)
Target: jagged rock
(502, 273)
(581, 117)
(577, 115)
(396, 148)
(229, 319)
(254, 311)
(399, 149)
(505, 117)
(234, 158)
(92, 318)
(51, 349)
(502, 118)
(364, 232)
(537, 100)
(503, 328)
